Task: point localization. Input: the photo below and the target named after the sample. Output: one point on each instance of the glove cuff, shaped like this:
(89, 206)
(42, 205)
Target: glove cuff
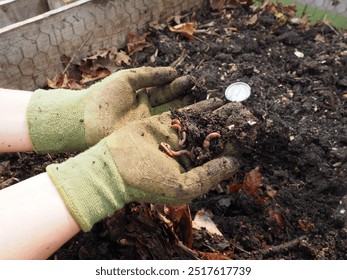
(56, 120)
(90, 185)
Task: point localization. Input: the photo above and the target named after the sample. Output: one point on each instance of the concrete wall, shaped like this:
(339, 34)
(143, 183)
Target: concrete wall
(12, 11)
(31, 50)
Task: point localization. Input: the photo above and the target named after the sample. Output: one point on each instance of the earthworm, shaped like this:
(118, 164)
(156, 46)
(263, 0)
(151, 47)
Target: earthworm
(209, 137)
(176, 126)
(184, 138)
(167, 149)
(175, 123)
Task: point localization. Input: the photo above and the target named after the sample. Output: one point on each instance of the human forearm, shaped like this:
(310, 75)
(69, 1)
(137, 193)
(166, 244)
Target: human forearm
(14, 132)
(34, 220)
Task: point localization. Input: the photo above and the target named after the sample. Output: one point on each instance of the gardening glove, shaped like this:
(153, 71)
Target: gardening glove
(64, 120)
(128, 166)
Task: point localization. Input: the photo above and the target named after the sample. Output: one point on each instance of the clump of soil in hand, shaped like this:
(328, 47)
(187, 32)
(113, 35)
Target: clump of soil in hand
(206, 135)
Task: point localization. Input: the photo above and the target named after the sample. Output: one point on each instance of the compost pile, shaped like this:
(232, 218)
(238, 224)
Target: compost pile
(288, 199)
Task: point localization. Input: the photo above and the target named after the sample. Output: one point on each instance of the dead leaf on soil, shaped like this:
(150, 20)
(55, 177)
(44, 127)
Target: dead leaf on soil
(156, 25)
(251, 182)
(319, 38)
(274, 8)
(187, 29)
(232, 29)
(217, 4)
(122, 58)
(182, 222)
(100, 53)
(270, 191)
(111, 59)
(276, 216)
(246, 3)
(137, 43)
(63, 81)
(98, 74)
(252, 20)
(212, 256)
(306, 225)
(203, 220)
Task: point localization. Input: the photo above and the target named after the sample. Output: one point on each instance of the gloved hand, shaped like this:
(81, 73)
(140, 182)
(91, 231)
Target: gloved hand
(64, 120)
(128, 166)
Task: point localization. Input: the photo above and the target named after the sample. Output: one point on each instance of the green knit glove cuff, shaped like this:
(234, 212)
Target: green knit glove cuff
(56, 121)
(90, 185)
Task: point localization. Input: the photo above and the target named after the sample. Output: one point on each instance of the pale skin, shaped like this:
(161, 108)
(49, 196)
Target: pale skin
(34, 219)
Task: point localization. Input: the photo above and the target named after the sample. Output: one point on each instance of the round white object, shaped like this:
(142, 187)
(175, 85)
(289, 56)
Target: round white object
(237, 92)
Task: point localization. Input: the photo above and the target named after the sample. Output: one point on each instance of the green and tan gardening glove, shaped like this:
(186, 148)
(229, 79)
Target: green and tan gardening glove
(128, 166)
(64, 120)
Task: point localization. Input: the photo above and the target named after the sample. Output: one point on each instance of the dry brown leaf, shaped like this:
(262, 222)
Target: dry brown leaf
(319, 38)
(62, 81)
(104, 58)
(137, 43)
(177, 212)
(217, 4)
(203, 220)
(290, 10)
(232, 29)
(270, 192)
(122, 58)
(270, 8)
(212, 256)
(252, 20)
(306, 225)
(94, 75)
(273, 8)
(72, 84)
(57, 81)
(100, 53)
(187, 29)
(276, 216)
(156, 25)
(247, 3)
(183, 222)
(234, 187)
(251, 182)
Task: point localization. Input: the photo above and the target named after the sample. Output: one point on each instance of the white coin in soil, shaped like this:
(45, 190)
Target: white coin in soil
(237, 92)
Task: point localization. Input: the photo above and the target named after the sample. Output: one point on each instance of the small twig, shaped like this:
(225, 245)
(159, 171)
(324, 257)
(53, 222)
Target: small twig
(180, 59)
(202, 41)
(281, 247)
(201, 62)
(241, 249)
(188, 251)
(73, 57)
(332, 28)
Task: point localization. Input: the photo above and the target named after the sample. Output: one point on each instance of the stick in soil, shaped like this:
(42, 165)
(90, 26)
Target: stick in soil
(278, 249)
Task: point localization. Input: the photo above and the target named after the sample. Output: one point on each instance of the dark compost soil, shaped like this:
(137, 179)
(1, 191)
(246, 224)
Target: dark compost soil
(297, 211)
